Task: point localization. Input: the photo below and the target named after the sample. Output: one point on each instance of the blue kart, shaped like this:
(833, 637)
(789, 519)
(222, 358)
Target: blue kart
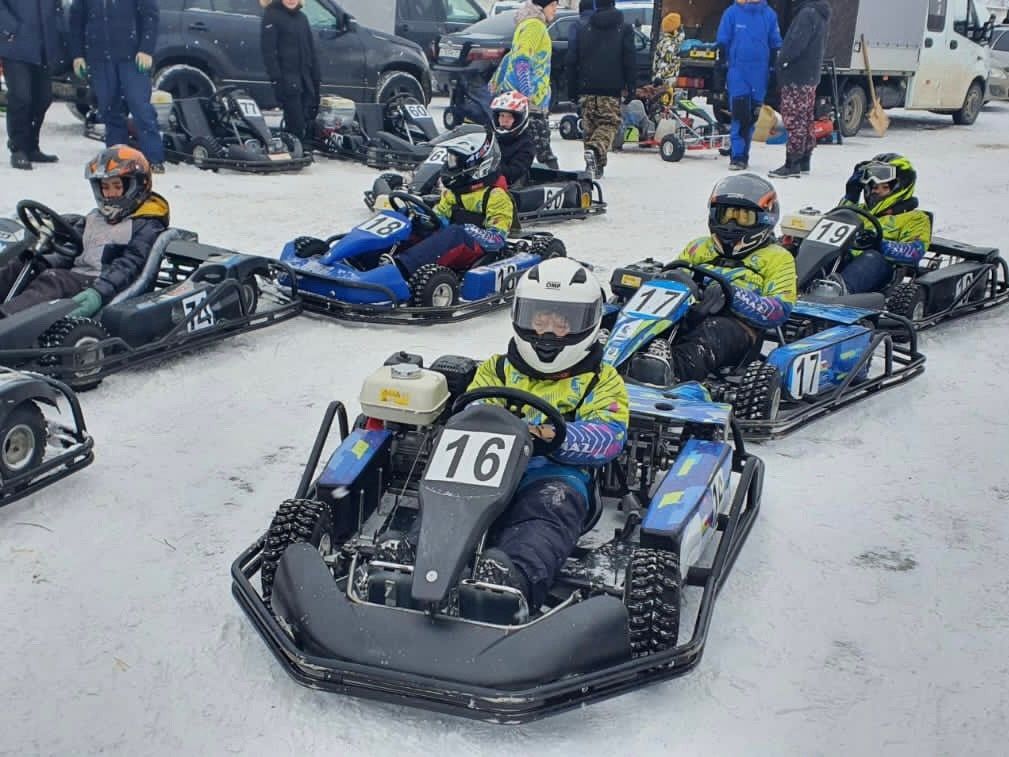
(825, 357)
(338, 276)
(632, 604)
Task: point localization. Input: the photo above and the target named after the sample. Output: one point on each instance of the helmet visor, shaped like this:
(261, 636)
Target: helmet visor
(745, 217)
(878, 173)
(561, 319)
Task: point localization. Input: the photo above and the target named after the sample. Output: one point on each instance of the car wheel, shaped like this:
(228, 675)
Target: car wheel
(853, 106)
(181, 81)
(398, 84)
(972, 103)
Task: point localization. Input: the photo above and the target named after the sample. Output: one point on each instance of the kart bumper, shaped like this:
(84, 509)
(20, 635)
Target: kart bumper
(264, 166)
(333, 642)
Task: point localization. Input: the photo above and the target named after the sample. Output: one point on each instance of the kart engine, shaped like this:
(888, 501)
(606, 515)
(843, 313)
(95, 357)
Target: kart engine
(405, 393)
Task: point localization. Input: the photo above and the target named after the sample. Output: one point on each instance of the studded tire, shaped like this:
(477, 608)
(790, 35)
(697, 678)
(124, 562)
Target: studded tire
(293, 144)
(81, 370)
(905, 299)
(432, 284)
(296, 521)
(652, 599)
(759, 394)
(203, 149)
(22, 440)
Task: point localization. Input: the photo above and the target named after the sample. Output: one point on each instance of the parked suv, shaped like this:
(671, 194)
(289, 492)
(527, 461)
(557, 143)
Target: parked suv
(206, 42)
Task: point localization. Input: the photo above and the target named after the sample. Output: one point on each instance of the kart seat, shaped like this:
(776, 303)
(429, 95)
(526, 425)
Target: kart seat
(145, 281)
(371, 118)
(192, 115)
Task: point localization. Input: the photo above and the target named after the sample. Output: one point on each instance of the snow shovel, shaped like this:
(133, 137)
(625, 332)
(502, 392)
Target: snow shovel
(877, 116)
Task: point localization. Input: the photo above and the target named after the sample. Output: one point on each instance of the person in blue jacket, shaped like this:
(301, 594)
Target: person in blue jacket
(749, 39)
(113, 41)
(31, 50)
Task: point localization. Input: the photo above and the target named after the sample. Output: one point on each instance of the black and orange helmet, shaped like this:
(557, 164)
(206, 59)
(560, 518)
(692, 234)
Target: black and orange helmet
(127, 164)
(742, 213)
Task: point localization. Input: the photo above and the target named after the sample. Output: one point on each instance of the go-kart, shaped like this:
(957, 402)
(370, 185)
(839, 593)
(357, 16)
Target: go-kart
(338, 276)
(680, 126)
(382, 135)
(227, 130)
(11, 232)
(548, 194)
(824, 358)
(953, 279)
(632, 604)
(36, 450)
(188, 294)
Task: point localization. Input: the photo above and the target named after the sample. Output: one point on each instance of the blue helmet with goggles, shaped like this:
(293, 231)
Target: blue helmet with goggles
(742, 214)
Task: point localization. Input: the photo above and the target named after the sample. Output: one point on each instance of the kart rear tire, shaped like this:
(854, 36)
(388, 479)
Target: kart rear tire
(652, 599)
(394, 84)
(292, 143)
(450, 119)
(434, 285)
(181, 80)
(22, 440)
(672, 149)
(758, 397)
(907, 299)
(296, 521)
(250, 294)
(555, 248)
(203, 148)
(79, 370)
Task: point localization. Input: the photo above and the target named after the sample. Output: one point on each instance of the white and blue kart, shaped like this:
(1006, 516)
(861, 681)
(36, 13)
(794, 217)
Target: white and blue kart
(825, 357)
(333, 280)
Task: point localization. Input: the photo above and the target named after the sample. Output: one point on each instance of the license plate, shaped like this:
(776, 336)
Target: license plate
(449, 51)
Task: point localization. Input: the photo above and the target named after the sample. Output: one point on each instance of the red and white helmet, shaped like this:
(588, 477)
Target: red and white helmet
(510, 102)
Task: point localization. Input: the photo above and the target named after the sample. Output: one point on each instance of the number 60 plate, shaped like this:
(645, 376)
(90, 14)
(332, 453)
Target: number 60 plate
(476, 458)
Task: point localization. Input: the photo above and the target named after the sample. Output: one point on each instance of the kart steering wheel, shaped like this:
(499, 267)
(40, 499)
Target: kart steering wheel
(34, 215)
(865, 239)
(416, 207)
(516, 399)
(699, 274)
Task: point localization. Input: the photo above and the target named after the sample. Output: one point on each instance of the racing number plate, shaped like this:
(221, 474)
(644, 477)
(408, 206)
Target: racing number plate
(653, 301)
(382, 225)
(476, 458)
(249, 107)
(416, 111)
(829, 231)
(437, 155)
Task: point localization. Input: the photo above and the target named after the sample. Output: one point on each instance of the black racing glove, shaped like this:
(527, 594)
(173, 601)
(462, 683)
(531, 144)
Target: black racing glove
(712, 300)
(853, 187)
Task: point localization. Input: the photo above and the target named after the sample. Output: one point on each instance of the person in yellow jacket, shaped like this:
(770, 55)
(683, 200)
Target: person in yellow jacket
(742, 214)
(476, 212)
(526, 69)
(554, 354)
(886, 186)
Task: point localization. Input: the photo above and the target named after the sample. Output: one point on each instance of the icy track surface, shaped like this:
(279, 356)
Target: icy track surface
(866, 615)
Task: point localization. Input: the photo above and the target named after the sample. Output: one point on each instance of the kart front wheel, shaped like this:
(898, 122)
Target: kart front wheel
(82, 367)
(22, 440)
(450, 119)
(569, 127)
(672, 148)
(205, 149)
(652, 599)
(292, 143)
(758, 397)
(296, 521)
(908, 300)
(434, 285)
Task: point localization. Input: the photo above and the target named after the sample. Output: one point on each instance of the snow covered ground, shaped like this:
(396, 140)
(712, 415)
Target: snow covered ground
(867, 614)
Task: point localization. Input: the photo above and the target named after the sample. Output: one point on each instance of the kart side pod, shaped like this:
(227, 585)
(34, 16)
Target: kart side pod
(683, 512)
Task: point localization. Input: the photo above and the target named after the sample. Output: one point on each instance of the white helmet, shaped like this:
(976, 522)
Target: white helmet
(556, 315)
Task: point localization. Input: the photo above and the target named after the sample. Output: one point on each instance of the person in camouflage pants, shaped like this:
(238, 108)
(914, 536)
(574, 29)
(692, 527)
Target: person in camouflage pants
(601, 118)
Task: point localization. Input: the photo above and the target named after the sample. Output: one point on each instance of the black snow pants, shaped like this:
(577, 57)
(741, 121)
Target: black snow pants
(716, 342)
(51, 284)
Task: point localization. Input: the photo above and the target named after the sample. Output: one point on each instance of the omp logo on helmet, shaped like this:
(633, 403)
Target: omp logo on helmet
(553, 285)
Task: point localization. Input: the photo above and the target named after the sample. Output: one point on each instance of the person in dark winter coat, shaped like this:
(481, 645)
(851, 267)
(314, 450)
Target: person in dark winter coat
(510, 114)
(117, 238)
(601, 70)
(291, 63)
(31, 49)
(112, 42)
(585, 10)
(749, 38)
(799, 64)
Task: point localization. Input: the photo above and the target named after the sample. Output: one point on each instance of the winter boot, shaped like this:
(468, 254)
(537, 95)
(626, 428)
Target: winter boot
(804, 162)
(788, 171)
(497, 568)
(37, 156)
(20, 160)
(591, 163)
(738, 164)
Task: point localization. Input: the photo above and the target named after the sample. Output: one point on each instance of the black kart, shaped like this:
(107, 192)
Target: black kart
(632, 605)
(187, 295)
(37, 447)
